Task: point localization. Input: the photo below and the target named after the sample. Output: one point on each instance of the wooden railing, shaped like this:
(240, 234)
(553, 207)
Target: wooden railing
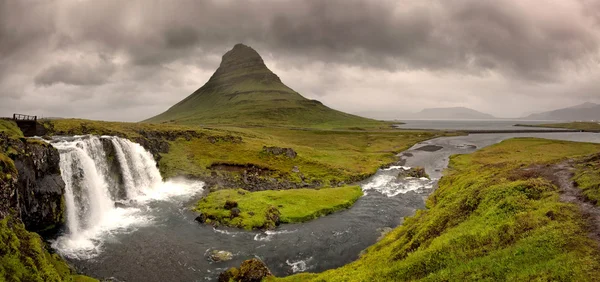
(24, 117)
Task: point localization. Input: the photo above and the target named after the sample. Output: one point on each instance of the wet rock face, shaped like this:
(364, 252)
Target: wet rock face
(39, 186)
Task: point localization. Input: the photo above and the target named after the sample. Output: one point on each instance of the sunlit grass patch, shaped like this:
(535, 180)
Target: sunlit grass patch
(290, 206)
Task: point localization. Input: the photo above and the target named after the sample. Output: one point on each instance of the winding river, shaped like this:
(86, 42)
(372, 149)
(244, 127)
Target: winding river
(153, 236)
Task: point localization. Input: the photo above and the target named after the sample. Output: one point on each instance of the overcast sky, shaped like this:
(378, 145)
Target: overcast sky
(129, 60)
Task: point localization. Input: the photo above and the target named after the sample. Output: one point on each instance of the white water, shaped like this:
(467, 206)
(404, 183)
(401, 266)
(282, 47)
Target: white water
(390, 185)
(94, 182)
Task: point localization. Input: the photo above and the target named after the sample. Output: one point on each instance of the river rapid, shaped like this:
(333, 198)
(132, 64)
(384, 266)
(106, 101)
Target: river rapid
(144, 230)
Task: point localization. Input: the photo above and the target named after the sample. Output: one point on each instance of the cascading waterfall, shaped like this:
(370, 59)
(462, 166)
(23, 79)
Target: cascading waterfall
(107, 182)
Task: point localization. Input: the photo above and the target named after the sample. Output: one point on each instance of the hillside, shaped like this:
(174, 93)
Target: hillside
(583, 112)
(452, 113)
(243, 91)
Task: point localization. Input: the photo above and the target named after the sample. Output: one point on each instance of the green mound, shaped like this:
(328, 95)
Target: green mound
(264, 209)
(243, 91)
(489, 220)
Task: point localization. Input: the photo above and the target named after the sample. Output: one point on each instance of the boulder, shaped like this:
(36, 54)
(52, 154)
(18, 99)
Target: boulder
(288, 152)
(219, 256)
(416, 172)
(253, 270)
(229, 275)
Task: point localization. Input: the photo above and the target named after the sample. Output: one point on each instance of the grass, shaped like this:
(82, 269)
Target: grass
(25, 258)
(585, 126)
(10, 128)
(325, 156)
(328, 157)
(291, 206)
(487, 221)
(587, 177)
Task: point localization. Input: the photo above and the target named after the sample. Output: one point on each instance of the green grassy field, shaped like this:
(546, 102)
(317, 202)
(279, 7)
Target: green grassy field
(586, 126)
(291, 206)
(328, 157)
(487, 221)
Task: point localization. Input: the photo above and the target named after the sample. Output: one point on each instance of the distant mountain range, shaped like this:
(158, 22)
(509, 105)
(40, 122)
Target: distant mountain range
(583, 112)
(449, 113)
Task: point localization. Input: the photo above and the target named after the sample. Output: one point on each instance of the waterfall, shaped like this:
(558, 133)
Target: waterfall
(108, 181)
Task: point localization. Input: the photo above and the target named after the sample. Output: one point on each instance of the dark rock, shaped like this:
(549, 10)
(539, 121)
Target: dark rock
(229, 204)
(253, 270)
(235, 212)
(40, 186)
(120, 205)
(220, 256)
(288, 152)
(251, 213)
(229, 275)
(201, 218)
(416, 172)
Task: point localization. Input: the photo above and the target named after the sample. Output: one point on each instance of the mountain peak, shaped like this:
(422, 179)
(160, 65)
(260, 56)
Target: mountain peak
(241, 53)
(243, 61)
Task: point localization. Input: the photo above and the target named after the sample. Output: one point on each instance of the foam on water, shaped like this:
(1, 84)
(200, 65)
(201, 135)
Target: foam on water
(268, 235)
(390, 185)
(92, 189)
(299, 266)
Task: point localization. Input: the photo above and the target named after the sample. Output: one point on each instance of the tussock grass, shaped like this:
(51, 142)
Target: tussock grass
(292, 206)
(483, 223)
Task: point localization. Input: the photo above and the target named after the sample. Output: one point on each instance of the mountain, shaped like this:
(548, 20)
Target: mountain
(451, 113)
(583, 112)
(243, 91)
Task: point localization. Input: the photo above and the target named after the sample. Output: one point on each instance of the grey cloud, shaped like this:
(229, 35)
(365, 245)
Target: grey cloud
(82, 73)
(160, 45)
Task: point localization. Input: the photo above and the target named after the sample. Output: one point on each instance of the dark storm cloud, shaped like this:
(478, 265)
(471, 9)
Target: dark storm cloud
(163, 50)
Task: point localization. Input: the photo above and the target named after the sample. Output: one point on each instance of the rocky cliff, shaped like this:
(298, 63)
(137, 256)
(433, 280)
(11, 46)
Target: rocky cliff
(32, 186)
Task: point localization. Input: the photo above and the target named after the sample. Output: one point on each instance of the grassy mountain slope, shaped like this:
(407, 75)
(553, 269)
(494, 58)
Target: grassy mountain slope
(493, 218)
(243, 91)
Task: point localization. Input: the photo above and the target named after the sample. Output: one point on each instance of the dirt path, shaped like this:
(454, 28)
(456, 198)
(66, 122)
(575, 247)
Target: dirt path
(562, 175)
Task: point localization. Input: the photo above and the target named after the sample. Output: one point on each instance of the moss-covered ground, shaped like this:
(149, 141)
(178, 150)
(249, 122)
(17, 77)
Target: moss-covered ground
(328, 157)
(290, 206)
(487, 221)
(23, 257)
(585, 126)
(587, 177)
(10, 128)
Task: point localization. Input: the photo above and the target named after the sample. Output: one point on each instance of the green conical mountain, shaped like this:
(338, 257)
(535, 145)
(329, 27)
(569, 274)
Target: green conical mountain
(243, 91)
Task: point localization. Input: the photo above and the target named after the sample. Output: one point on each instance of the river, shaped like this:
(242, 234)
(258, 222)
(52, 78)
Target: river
(153, 236)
